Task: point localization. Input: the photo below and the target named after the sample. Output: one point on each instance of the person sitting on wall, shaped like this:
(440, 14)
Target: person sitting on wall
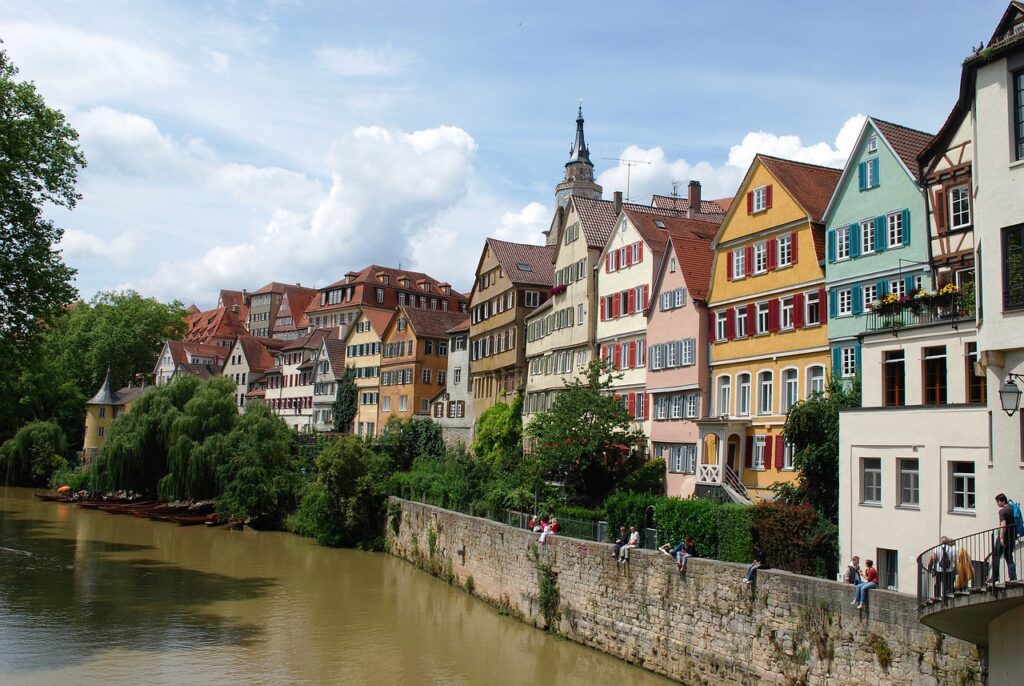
(551, 528)
(633, 542)
(620, 541)
(689, 550)
(852, 574)
(760, 562)
(671, 551)
(870, 581)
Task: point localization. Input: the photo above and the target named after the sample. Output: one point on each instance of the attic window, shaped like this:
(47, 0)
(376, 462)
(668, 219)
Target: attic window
(523, 267)
(873, 144)
(660, 224)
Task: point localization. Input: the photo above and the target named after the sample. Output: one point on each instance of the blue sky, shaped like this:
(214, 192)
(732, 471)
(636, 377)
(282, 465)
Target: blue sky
(235, 143)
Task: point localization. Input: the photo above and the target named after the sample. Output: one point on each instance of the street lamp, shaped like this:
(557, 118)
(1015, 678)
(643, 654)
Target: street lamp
(1009, 394)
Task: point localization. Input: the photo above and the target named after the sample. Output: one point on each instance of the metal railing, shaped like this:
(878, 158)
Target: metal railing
(969, 564)
(949, 309)
(732, 479)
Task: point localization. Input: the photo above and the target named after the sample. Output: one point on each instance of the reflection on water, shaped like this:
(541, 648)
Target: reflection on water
(99, 598)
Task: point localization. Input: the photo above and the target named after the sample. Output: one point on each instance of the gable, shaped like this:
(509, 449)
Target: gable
(782, 207)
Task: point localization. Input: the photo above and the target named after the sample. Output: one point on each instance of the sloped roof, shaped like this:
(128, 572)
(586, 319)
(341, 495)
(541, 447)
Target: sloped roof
(335, 355)
(203, 371)
(275, 287)
(598, 217)
(810, 185)
(108, 396)
(378, 319)
(432, 323)
(181, 350)
(220, 322)
(710, 210)
(937, 145)
(907, 143)
(693, 255)
(524, 263)
(192, 309)
(369, 275)
(313, 339)
(229, 298)
(656, 237)
(461, 326)
(258, 351)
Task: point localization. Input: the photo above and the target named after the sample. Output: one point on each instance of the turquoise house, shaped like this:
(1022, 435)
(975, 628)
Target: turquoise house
(876, 237)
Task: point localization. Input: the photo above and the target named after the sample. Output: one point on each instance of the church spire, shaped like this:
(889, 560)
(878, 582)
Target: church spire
(579, 151)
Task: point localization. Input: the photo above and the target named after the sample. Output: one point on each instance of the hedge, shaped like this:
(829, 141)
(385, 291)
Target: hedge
(628, 509)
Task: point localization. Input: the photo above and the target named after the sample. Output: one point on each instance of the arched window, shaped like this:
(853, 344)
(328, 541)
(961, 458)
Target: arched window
(815, 380)
(790, 389)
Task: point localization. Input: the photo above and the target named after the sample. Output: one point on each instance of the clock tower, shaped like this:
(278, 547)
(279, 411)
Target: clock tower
(579, 170)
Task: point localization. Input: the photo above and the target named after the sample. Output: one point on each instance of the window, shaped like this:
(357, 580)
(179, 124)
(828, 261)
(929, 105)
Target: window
(815, 380)
(844, 302)
(759, 445)
(848, 359)
(691, 405)
(385, 404)
(720, 326)
(739, 263)
(870, 296)
(1013, 267)
(1018, 113)
(871, 480)
(934, 364)
(743, 399)
(790, 389)
(873, 144)
(672, 265)
(869, 173)
(959, 207)
(741, 321)
(380, 295)
(427, 374)
(724, 390)
(532, 298)
(867, 237)
(428, 347)
(962, 483)
(681, 458)
(894, 378)
(812, 308)
(784, 247)
(103, 412)
(403, 403)
(760, 258)
(765, 391)
(975, 382)
(842, 242)
(457, 376)
(787, 457)
(910, 483)
(100, 431)
(888, 568)
(787, 313)
(760, 199)
(898, 287)
(762, 318)
(895, 224)
(676, 411)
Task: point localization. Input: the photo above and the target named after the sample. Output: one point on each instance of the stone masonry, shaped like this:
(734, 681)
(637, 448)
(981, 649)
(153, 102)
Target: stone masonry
(704, 628)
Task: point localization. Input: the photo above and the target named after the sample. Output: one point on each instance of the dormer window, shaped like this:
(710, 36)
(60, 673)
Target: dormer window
(873, 144)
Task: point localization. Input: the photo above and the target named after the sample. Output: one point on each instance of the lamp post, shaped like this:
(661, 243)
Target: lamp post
(646, 510)
(1009, 394)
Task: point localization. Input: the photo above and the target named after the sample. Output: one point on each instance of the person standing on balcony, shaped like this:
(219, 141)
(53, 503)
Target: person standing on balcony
(943, 565)
(1005, 539)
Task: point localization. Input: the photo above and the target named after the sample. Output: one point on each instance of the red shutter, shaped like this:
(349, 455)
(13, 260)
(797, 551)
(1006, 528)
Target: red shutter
(792, 244)
(751, 319)
(632, 354)
(630, 299)
(600, 307)
(750, 202)
(618, 355)
(822, 306)
(608, 263)
(768, 452)
(749, 267)
(773, 315)
(632, 404)
(615, 305)
(629, 256)
(749, 461)
(728, 265)
(604, 352)
(640, 252)
(780, 451)
(798, 311)
(768, 197)
(711, 327)
(647, 406)
(772, 262)
(940, 211)
(646, 294)
(730, 324)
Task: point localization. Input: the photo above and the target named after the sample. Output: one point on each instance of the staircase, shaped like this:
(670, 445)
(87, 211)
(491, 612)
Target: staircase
(735, 489)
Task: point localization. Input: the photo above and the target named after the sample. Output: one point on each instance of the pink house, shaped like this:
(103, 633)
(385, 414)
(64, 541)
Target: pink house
(677, 356)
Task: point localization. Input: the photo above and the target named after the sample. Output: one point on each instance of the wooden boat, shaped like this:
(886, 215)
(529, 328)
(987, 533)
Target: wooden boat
(192, 520)
(51, 498)
(128, 508)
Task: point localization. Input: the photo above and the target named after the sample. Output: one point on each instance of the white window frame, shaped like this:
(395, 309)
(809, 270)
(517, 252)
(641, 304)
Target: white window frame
(842, 243)
(894, 228)
(757, 459)
(848, 362)
(964, 487)
(739, 263)
(761, 315)
(532, 298)
(959, 196)
(790, 388)
(760, 203)
(744, 384)
(867, 237)
(765, 392)
(760, 265)
(909, 481)
(723, 395)
(784, 250)
(786, 306)
(720, 326)
(871, 481)
(844, 302)
(740, 319)
(815, 379)
(812, 299)
(870, 294)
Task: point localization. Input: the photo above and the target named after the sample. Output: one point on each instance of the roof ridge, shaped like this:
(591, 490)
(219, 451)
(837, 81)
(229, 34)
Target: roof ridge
(802, 164)
(901, 126)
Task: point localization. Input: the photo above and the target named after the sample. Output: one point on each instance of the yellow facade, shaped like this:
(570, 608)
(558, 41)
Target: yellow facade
(362, 351)
(98, 419)
(769, 339)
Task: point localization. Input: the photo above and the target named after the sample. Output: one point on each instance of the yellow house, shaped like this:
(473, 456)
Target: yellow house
(362, 352)
(101, 410)
(767, 324)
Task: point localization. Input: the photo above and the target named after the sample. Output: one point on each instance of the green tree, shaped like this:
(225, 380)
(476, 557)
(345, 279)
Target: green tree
(586, 437)
(345, 401)
(499, 433)
(33, 455)
(403, 440)
(812, 427)
(259, 477)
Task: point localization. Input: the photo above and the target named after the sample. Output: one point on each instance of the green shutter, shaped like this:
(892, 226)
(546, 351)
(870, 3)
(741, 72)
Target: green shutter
(875, 180)
(860, 176)
(854, 240)
(858, 299)
(880, 238)
(906, 227)
(832, 245)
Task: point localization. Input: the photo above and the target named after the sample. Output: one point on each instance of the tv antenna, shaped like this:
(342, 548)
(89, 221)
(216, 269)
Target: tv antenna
(675, 188)
(629, 164)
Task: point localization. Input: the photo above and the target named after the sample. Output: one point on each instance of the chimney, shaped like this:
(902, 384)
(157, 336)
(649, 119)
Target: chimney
(617, 199)
(693, 195)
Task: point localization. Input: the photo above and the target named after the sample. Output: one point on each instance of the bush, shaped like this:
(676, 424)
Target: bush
(33, 455)
(78, 478)
(628, 509)
(735, 536)
(695, 518)
(649, 479)
(584, 513)
(788, 535)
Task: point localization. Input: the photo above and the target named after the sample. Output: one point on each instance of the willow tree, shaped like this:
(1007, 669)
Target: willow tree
(35, 452)
(198, 441)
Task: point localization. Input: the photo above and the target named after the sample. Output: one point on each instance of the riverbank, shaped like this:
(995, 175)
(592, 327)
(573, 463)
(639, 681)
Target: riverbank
(704, 628)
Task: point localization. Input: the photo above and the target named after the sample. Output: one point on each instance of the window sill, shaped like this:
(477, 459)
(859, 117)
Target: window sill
(871, 504)
(963, 513)
(1017, 164)
(911, 508)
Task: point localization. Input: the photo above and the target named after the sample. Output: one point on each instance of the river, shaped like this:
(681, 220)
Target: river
(88, 597)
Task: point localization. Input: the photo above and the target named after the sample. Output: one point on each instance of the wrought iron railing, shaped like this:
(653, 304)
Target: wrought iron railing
(732, 480)
(971, 564)
(952, 309)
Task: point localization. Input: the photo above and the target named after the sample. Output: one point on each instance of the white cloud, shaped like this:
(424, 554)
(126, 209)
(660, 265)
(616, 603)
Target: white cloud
(219, 62)
(659, 174)
(526, 225)
(119, 249)
(349, 62)
(72, 66)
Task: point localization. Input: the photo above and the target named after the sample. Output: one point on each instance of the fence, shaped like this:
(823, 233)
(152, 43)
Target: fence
(967, 564)
(950, 309)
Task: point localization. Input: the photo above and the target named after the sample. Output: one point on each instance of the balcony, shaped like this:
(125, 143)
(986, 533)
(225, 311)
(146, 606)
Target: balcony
(951, 308)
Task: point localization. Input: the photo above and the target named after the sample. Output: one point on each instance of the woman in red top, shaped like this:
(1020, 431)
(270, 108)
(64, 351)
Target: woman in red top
(870, 581)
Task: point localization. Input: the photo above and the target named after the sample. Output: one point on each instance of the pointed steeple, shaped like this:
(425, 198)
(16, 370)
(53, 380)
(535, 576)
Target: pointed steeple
(106, 395)
(579, 151)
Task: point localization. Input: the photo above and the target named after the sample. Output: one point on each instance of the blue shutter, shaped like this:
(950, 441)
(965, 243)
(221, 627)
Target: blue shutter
(880, 229)
(856, 358)
(876, 180)
(883, 288)
(837, 363)
(854, 240)
(860, 176)
(909, 281)
(833, 302)
(906, 227)
(858, 299)
(831, 245)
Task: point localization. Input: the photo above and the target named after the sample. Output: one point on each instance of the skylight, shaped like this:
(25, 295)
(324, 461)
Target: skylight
(523, 267)
(660, 224)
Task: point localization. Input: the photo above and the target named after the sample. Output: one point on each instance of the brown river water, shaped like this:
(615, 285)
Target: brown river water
(88, 597)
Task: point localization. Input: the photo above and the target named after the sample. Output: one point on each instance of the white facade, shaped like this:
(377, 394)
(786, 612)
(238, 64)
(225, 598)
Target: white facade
(237, 369)
(453, 407)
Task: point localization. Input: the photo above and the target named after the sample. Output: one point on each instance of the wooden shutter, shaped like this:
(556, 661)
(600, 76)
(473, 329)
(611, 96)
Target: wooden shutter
(772, 252)
(615, 305)
(854, 233)
(880, 234)
(730, 324)
(780, 452)
(773, 315)
(831, 240)
(749, 268)
(631, 403)
(793, 243)
(833, 303)
(632, 354)
(861, 180)
(798, 311)
(906, 226)
(640, 252)
(630, 299)
(750, 202)
(647, 289)
(608, 262)
(875, 178)
(768, 197)
(857, 295)
(939, 208)
(749, 461)
(751, 319)
(768, 452)
(728, 265)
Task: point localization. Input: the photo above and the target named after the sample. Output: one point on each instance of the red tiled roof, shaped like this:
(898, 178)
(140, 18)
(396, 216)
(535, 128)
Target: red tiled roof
(432, 323)
(378, 319)
(908, 143)
(524, 263)
(217, 323)
(810, 185)
(598, 217)
(710, 210)
(258, 353)
(693, 254)
(229, 298)
(180, 351)
(461, 326)
(936, 146)
(656, 237)
(335, 355)
(311, 340)
(724, 203)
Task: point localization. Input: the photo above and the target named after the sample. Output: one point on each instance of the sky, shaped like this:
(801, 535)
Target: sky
(230, 144)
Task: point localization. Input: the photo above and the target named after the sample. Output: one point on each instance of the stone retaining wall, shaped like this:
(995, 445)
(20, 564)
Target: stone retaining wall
(704, 628)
